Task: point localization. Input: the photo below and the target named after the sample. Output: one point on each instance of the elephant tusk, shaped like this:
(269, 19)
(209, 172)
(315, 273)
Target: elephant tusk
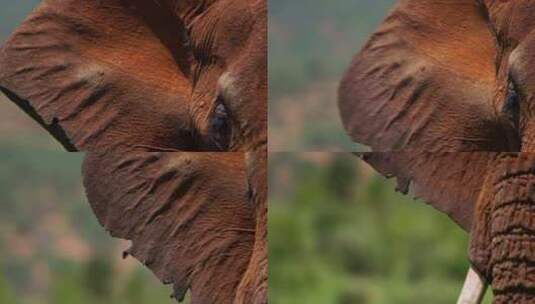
(473, 290)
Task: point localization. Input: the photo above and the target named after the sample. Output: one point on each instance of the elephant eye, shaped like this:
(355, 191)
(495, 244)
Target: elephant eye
(511, 106)
(219, 126)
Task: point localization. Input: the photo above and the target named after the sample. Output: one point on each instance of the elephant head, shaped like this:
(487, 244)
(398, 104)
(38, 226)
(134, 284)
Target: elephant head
(440, 78)
(197, 220)
(445, 76)
(134, 82)
(492, 196)
(162, 75)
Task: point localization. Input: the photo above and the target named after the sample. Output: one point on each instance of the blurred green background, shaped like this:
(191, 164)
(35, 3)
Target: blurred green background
(311, 43)
(52, 249)
(339, 233)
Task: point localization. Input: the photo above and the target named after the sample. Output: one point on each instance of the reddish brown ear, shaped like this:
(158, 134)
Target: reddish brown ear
(426, 80)
(187, 214)
(101, 73)
(450, 182)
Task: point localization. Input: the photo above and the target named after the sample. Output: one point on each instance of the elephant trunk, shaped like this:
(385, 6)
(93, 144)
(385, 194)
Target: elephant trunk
(528, 138)
(511, 239)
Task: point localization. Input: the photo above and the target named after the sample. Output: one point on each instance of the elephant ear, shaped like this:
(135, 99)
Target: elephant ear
(450, 182)
(187, 215)
(425, 80)
(97, 74)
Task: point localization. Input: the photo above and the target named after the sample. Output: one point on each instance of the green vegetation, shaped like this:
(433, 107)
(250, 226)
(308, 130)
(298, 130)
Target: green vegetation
(340, 234)
(311, 44)
(52, 249)
(337, 233)
(314, 40)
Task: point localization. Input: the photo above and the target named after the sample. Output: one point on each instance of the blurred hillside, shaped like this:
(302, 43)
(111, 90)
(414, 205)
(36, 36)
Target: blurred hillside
(311, 43)
(338, 233)
(52, 249)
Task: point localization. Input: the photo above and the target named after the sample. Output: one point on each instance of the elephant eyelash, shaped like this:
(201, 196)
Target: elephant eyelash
(511, 106)
(219, 125)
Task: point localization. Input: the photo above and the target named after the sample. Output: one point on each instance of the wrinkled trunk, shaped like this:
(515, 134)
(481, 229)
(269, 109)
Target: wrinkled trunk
(503, 238)
(513, 240)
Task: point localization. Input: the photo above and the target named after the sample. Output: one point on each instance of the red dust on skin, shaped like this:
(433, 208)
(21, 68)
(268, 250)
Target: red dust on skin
(197, 220)
(82, 81)
(130, 82)
(443, 99)
(434, 80)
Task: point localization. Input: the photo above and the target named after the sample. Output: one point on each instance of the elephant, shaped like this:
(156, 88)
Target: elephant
(162, 75)
(442, 93)
(445, 76)
(168, 99)
(196, 219)
(490, 195)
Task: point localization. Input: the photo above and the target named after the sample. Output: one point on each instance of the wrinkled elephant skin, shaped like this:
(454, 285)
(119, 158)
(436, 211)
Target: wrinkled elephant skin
(169, 100)
(450, 85)
(491, 195)
(144, 75)
(435, 80)
(191, 218)
(503, 247)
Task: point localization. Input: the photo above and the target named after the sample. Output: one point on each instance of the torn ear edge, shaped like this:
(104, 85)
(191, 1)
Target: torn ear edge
(449, 182)
(53, 128)
(185, 214)
(74, 76)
